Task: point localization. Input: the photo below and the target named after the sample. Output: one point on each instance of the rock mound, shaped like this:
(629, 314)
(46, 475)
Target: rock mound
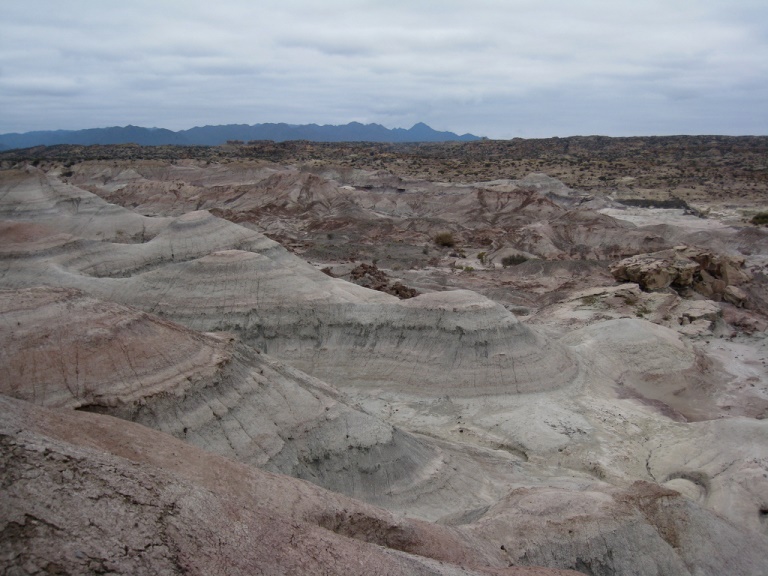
(212, 275)
(85, 493)
(652, 364)
(80, 497)
(66, 349)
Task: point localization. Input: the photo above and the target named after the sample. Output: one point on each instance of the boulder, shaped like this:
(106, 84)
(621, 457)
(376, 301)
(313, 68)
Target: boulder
(695, 310)
(706, 272)
(654, 272)
(735, 296)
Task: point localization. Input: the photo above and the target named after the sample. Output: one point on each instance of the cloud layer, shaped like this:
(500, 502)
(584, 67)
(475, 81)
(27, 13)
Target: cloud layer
(501, 68)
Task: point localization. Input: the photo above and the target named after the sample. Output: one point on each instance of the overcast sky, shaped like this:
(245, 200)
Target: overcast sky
(497, 68)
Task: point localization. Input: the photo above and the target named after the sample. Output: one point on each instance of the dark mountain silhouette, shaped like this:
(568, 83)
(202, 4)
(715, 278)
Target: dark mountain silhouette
(113, 135)
(216, 135)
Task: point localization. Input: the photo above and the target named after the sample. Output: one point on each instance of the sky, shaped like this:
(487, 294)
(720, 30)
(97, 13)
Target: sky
(495, 68)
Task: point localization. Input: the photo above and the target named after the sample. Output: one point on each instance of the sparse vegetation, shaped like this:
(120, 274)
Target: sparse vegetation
(445, 239)
(629, 299)
(670, 167)
(642, 311)
(590, 300)
(760, 219)
(542, 294)
(513, 260)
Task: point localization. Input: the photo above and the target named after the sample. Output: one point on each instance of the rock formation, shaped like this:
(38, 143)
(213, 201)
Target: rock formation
(69, 350)
(168, 382)
(712, 275)
(85, 493)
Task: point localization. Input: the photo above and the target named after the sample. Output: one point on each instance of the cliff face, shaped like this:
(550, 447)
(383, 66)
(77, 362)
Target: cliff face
(509, 415)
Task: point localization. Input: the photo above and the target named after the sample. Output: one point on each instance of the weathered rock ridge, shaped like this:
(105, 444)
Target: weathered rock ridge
(69, 350)
(291, 310)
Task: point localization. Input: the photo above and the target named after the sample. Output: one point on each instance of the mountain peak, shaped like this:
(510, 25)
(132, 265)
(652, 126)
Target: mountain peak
(217, 135)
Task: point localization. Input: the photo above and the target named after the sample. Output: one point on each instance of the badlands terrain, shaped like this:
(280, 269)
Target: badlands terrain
(515, 357)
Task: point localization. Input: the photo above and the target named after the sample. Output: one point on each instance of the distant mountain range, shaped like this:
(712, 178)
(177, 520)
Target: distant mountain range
(216, 135)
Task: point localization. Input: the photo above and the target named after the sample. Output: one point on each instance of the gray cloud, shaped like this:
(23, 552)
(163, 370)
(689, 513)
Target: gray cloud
(501, 68)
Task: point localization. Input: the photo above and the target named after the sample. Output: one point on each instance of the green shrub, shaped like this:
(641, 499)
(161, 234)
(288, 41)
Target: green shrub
(629, 299)
(513, 260)
(445, 239)
(481, 256)
(642, 311)
(760, 219)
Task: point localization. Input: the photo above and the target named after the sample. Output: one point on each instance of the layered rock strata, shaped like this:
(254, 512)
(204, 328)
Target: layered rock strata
(293, 311)
(571, 450)
(67, 350)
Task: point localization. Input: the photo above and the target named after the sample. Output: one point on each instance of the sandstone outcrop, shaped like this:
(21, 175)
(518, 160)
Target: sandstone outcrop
(715, 276)
(665, 308)
(370, 276)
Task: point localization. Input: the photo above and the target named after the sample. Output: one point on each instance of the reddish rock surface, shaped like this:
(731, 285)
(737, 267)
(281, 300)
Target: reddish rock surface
(85, 493)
